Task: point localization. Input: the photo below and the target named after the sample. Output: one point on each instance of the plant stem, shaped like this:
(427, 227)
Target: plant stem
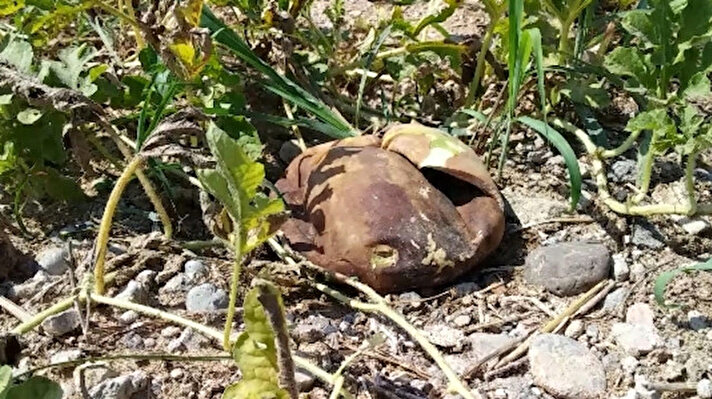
(105, 227)
(623, 147)
(564, 41)
(505, 145)
(647, 171)
(37, 319)
(479, 70)
(234, 283)
(690, 182)
(157, 203)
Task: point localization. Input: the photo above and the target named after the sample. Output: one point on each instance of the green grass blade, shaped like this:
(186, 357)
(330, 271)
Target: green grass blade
(564, 149)
(535, 36)
(516, 11)
(475, 114)
(664, 278)
(279, 84)
(367, 66)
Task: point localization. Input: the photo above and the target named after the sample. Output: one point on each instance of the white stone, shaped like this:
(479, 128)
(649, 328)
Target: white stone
(704, 389)
(574, 329)
(621, 271)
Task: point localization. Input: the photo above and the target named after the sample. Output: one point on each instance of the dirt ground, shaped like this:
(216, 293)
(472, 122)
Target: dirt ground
(466, 320)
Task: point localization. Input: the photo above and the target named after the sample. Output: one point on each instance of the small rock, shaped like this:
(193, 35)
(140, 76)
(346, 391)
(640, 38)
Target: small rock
(694, 225)
(444, 336)
(574, 329)
(62, 323)
(305, 381)
(696, 320)
(637, 271)
(312, 329)
(673, 371)
(128, 317)
(621, 271)
(615, 299)
(644, 234)
(177, 373)
(54, 260)
(481, 345)
(466, 288)
(568, 268)
(289, 150)
(65, 356)
(123, 387)
(635, 339)
(623, 171)
(175, 284)
(188, 340)
(462, 320)
(170, 332)
(640, 313)
(412, 299)
(629, 364)
(500, 393)
(149, 342)
(704, 389)
(195, 270)
(30, 287)
(206, 298)
(592, 331)
(642, 388)
(94, 375)
(566, 368)
(146, 278)
(132, 341)
(134, 292)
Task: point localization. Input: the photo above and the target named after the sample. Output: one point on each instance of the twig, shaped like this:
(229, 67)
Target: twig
(534, 301)
(596, 299)
(495, 323)
(470, 373)
(14, 309)
(553, 323)
(501, 370)
(672, 386)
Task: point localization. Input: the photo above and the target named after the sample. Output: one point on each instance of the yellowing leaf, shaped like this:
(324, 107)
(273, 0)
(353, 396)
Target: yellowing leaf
(191, 12)
(185, 52)
(8, 7)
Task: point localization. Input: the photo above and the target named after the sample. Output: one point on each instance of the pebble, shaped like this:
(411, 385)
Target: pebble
(177, 373)
(566, 368)
(149, 342)
(615, 299)
(640, 313)
(462, 320)
(206, 298)
(629, 364)
(170, 331)
(568, 268)
(132, 341)
(147, 278)
(65, 356)
(704, 389)
(54, 260)
(412, 299)
(123, 387)
(128, 317)
(575, 329)
(134, 292)
(621, 271)
(304, 381)
(696, 320)
(637, 271)
(312, 329)
(623, 171)
(188, 340)
(635, 339)
(592, 331)
(195, 270)
(444, 336)
(644, 234)
(694, 225)
(30, 287)
(62, 323)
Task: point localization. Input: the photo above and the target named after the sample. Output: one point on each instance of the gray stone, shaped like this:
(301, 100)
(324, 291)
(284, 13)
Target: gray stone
(30, 287)
(444, 336)
(195, 270)
(54, 260)
(170, 332)
(644, 234)
(146, 278)
(175, 285)
(592, 331)
(134, 292)
(206, 298)
(575, 329)
(188, 340)
(132, 340)
(696, 320)
(566, 368)
(531, 209)
(641, 314)
(704, 389)
(62, 323)
(621, 271)
(305, 381)
(635, 339)
(693, 225)
(637, 271)
(65, 356)
(623, 171)
(122, 387)
(615, 299)
(312, 329)
(411, 298)
(289, 150)
(128, 317)
(568, 268)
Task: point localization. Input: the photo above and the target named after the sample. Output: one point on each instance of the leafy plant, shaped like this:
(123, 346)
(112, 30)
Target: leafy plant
(664, 279)
(34, 387)
(249, 217)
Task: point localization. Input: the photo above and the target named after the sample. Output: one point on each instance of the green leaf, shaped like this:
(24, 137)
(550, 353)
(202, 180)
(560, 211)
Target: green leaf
(243, 132)
(5, 380)
(255, 352)
(664, 278)
(19, 54)
(535, 36)
(629, 61)
(57, 186)
(639, 23)
(278, 83)
(555, 138)
(36, 388)
(71, 65)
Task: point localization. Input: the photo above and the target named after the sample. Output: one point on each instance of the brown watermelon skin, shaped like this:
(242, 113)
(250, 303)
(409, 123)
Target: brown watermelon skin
(363, 207)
